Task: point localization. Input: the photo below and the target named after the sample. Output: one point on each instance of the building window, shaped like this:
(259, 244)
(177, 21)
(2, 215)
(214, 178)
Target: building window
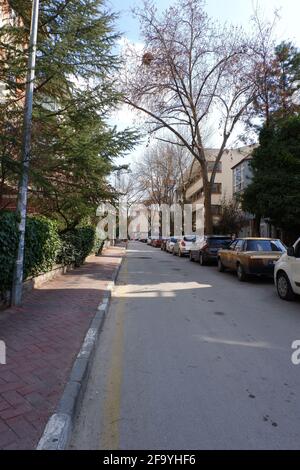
(210, 167)
(238, 179)
(216, 188)
(215, 210)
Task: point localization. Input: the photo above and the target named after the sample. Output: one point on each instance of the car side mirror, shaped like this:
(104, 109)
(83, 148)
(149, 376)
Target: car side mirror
(291, 251)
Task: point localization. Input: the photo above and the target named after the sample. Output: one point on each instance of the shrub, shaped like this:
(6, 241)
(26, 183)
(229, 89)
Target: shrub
(8, 248)
(42, 244)
(98, 246)
(77, 245)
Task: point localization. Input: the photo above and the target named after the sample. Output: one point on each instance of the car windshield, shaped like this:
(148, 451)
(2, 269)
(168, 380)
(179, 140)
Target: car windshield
(265, 245)
(173, 240)
(219, 242)
(190, 238)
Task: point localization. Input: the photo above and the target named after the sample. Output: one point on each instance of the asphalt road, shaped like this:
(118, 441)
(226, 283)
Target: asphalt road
(190, 358)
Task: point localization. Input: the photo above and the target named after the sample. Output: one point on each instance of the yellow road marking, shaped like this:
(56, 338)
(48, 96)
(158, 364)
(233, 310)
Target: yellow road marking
(112, 403)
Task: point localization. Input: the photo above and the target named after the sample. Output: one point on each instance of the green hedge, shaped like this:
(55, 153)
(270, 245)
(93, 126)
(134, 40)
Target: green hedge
(77, 245)
(44, 247)
(8, 248)
(42, 244)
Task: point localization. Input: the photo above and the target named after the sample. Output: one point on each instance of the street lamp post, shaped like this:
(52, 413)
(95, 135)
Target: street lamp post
(26, 146)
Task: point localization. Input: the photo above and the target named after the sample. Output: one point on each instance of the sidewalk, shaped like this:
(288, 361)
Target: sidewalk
(42, 338)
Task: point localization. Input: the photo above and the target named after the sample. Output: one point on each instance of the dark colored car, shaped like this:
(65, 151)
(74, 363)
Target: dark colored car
(205, 249)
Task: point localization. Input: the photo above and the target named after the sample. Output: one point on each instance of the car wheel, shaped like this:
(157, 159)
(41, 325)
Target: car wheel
(242, 277)
(191, 257)
(284, 287)
(221, 266)
(202, 260)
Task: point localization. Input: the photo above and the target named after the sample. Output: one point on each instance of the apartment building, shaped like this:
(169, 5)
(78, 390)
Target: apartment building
(241, 178)
(223, 185)
(242, 175)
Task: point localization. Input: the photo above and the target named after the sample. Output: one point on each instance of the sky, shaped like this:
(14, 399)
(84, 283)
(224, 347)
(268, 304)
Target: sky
(235, 11)
(232, 11)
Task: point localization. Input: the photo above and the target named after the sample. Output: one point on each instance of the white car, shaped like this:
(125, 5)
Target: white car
(183, 245)
(170, 244)
(287, 273)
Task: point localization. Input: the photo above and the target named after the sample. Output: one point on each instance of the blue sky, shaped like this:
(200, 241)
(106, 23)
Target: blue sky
(235, 11)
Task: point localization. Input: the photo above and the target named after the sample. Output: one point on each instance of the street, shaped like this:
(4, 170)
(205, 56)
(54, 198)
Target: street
(190, 358)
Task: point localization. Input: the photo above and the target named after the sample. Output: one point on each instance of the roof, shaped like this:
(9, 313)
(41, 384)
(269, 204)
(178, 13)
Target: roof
(256, 238)
(248, 157)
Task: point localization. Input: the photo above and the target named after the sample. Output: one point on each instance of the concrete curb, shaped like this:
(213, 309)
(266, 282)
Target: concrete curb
(57, 433)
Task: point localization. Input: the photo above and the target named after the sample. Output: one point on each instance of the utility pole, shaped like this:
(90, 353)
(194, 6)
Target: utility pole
(26, 148)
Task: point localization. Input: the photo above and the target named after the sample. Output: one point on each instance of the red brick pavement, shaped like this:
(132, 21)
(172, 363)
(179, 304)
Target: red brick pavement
(42, 339)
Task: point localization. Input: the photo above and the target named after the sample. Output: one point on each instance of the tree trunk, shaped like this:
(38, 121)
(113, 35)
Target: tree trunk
(256, 226)
(208, 221)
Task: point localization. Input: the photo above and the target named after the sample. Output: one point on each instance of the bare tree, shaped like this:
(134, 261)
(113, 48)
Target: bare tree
(161, 172)
(127, 188)
(264, 64)
(232, 219)
(276, 73)
(190, 71)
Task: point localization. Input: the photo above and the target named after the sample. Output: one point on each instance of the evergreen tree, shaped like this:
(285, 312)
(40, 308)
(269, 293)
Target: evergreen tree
(275, 190)
(73, 147)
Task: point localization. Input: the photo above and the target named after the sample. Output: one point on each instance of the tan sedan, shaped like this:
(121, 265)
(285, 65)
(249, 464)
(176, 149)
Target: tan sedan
(251, 256)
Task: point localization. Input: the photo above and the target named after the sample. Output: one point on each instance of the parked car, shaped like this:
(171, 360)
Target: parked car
(163, 245)
(205, 249)
(170, 244)
(183, 245)
(156, 242)
(287, 273)
(248, 256)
